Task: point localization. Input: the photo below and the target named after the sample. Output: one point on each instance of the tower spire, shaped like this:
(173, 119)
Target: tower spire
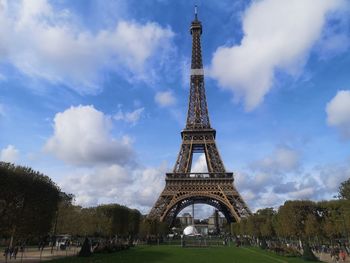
(197, 116)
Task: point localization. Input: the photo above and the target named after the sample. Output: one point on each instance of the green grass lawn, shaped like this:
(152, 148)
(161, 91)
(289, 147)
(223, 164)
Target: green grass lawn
(172, 254)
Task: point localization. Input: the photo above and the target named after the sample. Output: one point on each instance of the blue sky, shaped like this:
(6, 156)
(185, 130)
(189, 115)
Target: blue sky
(94, 94)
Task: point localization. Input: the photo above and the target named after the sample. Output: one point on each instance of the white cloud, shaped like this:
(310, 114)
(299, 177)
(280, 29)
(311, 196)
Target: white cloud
(282, 160)
(47, 43)
(263, 183)
(116, 184)
(130, 117)
(331, 176)
(268, 189)
(165, 98)
(82, 136)
(338, 112)
(9, 154)
(278, 35)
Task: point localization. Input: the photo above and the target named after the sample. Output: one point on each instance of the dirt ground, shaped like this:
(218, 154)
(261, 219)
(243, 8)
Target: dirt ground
(324, 257)
(32, 254)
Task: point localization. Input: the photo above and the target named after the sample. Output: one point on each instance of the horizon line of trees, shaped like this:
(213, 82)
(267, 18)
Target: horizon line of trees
(303, 220)
(98, 221)
(32, 206)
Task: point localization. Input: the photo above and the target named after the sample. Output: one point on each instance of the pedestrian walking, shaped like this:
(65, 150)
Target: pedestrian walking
(6, 253)
(342, 255)
(15, 252)
(11, 252)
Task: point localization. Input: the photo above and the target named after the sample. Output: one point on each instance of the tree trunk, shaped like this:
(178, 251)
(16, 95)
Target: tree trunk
(12, 236)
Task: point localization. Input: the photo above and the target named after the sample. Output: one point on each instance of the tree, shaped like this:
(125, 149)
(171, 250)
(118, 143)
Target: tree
(336, 218)
(29, 201)
(268, 218)
(292, 218)
(344, 190)
(312, 226)
(85, 250)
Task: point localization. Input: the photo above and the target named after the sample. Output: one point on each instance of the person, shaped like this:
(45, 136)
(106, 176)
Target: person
(342, 255)
(333, 254)
(6, 252)
(11, 252)
(15, 252)
(336, 257)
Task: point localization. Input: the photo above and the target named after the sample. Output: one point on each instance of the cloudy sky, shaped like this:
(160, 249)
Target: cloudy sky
(94, 94)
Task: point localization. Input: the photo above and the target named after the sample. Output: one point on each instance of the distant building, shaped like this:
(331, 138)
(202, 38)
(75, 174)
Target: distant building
(215, 222)
(212, 225)
(186, 219)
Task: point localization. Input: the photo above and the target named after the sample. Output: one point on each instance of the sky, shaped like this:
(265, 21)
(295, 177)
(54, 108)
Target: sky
(94, 94)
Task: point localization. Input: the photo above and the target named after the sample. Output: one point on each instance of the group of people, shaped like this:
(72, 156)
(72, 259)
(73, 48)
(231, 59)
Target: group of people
(11, 252)
(338, 255)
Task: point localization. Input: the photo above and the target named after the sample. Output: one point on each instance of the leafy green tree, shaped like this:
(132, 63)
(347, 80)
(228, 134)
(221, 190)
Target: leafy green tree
(268, 218)
(312, 226)
(344, 190)
(336, 218)
(292, 218)
(28, 200)
(134, 222)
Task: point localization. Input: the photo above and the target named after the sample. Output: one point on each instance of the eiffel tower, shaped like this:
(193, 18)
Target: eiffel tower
(184, 188)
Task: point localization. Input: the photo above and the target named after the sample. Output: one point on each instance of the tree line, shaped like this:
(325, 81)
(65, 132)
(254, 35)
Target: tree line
(301, 220)
(100, 221)
(33, 208)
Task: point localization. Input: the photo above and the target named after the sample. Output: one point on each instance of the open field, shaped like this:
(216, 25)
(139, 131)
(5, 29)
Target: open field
(172, 254)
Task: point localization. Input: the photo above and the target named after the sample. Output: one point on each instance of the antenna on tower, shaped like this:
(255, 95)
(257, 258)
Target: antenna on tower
(195, 12)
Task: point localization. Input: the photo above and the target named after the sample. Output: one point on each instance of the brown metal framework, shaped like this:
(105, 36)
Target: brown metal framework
(184, 188)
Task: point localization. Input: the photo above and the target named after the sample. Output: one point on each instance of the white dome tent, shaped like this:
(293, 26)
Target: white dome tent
(190, 231)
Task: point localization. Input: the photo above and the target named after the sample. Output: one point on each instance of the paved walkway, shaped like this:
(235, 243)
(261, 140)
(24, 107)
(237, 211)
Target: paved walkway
(32, 255)
(324, 257)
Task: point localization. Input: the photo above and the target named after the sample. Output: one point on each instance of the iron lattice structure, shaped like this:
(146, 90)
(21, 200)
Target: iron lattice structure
(184, 188)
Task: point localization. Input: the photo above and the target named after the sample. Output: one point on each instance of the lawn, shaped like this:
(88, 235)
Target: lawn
(174, 254)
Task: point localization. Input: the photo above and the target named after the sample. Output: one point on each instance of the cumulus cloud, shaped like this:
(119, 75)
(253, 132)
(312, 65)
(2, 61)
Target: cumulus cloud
(332, 175)
(278, 35)
(44, 42)
(338, 112)
(82, 136)
(131, 117)
(268, 175)
(266, 182)
(165, 98)
(9, 154)
(137, 187)
(264, 185)
(282, 160)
